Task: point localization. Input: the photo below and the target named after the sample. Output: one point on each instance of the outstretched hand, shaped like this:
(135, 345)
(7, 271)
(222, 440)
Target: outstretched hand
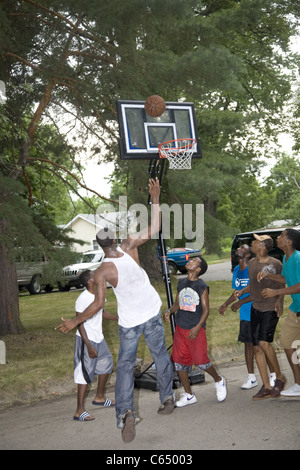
(66, 325)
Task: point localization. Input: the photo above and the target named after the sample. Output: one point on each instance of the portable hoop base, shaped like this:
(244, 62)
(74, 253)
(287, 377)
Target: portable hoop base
(178, 152)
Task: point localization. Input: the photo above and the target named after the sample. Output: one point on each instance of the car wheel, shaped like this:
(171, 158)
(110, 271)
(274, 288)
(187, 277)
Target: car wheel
(35, 286)
(172, 267)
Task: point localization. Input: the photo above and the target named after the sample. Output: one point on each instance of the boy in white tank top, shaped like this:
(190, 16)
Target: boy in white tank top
(139, 313)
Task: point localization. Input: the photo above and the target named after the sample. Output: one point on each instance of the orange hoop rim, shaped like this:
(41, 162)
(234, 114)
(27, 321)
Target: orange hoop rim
(178, 149)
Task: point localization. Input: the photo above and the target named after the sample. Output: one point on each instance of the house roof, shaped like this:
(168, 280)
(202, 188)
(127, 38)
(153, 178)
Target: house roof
(98, 220)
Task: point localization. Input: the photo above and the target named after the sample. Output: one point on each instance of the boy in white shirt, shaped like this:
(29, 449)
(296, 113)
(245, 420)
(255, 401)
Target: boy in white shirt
(92, 355)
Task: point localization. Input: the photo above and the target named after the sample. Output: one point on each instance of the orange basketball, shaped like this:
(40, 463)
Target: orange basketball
(155, 105)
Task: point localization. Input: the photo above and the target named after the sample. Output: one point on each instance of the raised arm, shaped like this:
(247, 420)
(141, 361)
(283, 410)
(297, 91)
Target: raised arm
(139, 238)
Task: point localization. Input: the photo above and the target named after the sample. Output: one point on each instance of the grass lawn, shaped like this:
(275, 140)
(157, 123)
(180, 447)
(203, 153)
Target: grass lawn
(40, 361)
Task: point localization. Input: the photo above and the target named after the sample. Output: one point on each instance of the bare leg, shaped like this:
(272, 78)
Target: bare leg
(262, 366)
(271, 358)
(81, 391)
(213, 373)
(249, 357)
(100, 396)
(184, 379)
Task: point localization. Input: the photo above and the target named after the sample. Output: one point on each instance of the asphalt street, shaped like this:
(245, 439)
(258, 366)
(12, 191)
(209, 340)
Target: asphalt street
(238, 423)
(218, 272)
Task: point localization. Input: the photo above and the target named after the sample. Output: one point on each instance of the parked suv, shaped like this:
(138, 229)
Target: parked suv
(87, 260)
(247, 238)
(30, 274)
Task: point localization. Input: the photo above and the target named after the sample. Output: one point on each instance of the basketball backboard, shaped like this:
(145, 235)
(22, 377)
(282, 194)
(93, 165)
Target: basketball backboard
(140, 134)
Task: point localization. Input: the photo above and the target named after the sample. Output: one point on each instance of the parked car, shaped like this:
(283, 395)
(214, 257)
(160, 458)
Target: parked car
(87, 260)
(178, 257)
(30, 274)
(247, 238)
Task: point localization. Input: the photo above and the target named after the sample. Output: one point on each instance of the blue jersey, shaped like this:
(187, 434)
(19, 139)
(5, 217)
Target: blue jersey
(291, 272)
(240, 279)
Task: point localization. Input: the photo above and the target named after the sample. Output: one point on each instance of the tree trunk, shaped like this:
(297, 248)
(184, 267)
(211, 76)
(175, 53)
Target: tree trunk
(10, 323)
(149, 261)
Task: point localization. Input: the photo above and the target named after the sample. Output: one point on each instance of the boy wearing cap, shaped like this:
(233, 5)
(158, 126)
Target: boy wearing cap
(265, 313)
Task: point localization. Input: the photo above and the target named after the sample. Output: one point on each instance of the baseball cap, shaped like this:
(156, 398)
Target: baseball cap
(261, 238)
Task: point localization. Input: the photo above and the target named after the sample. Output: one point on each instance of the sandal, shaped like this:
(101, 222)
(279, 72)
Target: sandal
(85, 416)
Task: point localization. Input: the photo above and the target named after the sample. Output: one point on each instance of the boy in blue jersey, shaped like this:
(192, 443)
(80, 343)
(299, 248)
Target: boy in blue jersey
(289, 242)
(240, 279)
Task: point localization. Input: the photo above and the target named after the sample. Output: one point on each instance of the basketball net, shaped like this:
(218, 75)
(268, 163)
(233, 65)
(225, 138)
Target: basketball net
(178, 152)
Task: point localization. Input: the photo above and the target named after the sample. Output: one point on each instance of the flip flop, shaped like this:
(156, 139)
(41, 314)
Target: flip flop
(83, 417)
(105, 403)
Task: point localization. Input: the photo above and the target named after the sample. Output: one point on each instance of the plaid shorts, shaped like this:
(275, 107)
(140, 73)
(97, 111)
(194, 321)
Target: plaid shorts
(85, 368)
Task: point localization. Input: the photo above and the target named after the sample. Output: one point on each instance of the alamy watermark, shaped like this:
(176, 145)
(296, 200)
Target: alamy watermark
(178, 221)
(296, 354)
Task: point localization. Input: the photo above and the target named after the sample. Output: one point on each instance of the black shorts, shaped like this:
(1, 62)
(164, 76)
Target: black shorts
(263, 326)
(245, 334)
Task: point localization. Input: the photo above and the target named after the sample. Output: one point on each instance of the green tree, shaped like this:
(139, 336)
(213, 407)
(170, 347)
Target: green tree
(284, 181)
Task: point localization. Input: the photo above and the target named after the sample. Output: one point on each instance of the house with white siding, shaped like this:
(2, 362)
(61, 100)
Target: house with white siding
(85, 227)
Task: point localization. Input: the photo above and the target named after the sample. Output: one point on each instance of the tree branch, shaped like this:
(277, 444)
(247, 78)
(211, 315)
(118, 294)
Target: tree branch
(28, 186)
(46, 160)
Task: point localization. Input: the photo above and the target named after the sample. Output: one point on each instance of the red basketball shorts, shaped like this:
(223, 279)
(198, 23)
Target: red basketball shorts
(188, 351)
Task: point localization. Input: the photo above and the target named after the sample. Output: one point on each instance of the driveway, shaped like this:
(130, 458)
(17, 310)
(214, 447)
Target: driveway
(238, 423)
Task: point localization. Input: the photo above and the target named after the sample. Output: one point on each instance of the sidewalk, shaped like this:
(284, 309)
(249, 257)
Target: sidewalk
(238, 423)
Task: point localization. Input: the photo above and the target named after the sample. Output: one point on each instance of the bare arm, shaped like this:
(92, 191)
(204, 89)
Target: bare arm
(109, 316)
(91, 350)
(139, 238)
(224, 306)
(241, 302)
(239, 293)
(172, 309)
(98, 303)
(295, 289)
(273, 277)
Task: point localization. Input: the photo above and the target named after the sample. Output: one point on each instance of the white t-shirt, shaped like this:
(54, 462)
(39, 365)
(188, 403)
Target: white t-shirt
(93, 326)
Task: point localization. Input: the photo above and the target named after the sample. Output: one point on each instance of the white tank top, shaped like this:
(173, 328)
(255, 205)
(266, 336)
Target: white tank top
(137, 299)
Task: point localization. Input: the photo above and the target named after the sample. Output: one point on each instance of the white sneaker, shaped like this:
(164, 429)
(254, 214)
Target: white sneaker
(272, 379)
(250, 382)
(221, 389)
(186, 399)
(293, 391)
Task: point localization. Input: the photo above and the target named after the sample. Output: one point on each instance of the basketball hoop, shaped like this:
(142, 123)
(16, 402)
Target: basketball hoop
(178, 152)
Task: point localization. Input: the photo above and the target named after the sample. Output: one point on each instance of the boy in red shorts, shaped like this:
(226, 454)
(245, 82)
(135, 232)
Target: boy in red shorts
(189, 343)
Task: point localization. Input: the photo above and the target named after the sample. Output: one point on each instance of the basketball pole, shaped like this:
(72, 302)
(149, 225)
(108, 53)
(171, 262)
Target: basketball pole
(156, 169)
